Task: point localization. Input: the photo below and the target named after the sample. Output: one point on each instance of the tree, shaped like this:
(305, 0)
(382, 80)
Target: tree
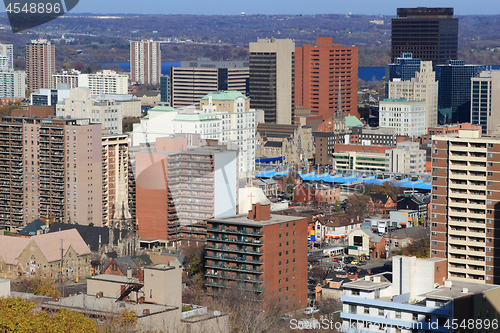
(357, 205)
(193, 259)
(19, 315)
(37, 286)
(338, 207)
(420, 248)
(392, 189)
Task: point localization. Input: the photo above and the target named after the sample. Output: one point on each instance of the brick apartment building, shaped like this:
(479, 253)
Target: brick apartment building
(40, 64)
(50, 167)
(318, 70)
(465, 205)
(260, 252)
(182, 185)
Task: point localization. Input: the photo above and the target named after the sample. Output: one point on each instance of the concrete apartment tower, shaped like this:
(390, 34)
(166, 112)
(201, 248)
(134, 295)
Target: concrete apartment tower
(485, 101)
(429, 33)
(422, 87)
(272, 79)
(466, 205)
(6, 56)
(319, 70)
(145, 61)
(40, 64)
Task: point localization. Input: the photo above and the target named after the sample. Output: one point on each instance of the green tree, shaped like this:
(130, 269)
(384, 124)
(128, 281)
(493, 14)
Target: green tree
(338, 207)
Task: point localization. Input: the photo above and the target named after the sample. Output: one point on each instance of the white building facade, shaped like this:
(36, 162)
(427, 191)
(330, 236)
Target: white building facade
(407, 117)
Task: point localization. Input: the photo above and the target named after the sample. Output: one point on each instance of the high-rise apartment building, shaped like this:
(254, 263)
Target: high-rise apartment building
(70, 78)
(50, 168)
(6, 56)
(12, 84)
(105, 82)
(40, 64)
(115, 176)
(80, 103)
(259, 252)
(485, 101)
(145, 61)
(193, 80)
(318, 71)
(421, 87)
(465, 205)
(454, 91)
(181, 184)
(431, 34)
(272, 79)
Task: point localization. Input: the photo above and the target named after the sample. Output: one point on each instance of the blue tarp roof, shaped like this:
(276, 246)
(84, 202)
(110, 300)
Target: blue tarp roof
(269, 159)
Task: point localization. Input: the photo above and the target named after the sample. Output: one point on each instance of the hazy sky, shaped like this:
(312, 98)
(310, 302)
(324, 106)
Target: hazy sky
(232, 7)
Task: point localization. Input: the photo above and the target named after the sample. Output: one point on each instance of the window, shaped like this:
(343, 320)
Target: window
(414, 317)
(355, 292)
(398, 314)
(381, 312)
(366, 310)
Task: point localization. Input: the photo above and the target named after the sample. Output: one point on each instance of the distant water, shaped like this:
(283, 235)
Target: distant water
(368, 73)
(165, 65)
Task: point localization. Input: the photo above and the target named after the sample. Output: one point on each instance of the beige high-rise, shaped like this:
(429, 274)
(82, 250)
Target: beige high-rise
(145, 61)
(272, 78)
(50, 168)
(422, 87)
(40, 64)
(485, 101)
(465, 205)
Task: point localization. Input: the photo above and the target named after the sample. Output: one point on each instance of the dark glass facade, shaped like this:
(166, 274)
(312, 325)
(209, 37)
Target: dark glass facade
(454, 96)
(481, 104)
(427, 33)
(165, 89)
(262, 84)
(403, 68)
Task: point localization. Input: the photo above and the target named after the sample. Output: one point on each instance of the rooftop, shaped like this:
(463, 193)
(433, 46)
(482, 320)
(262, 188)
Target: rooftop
(458, 289)
(225, 95)
(372, 283)
(244, 220)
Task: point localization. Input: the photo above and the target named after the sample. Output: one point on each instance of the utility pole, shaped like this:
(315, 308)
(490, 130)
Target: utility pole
(61, 270)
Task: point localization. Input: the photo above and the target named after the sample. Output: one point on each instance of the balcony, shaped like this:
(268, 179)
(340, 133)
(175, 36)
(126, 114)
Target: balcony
(234, 250)
(234, 240)
(234, 259)
(229, 285)
(234, 277)
(235, 231)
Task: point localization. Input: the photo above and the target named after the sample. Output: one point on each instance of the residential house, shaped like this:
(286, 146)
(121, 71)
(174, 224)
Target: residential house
(381, 203)
(402, 237)
(414, 203)
(120, 266)
(36, 227)
(269, 186)
(335, 226)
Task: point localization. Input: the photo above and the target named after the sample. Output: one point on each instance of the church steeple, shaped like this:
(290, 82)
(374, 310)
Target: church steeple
(339, 119)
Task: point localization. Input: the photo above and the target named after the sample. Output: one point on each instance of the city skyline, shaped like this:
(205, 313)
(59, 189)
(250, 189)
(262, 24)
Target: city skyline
(294, 7)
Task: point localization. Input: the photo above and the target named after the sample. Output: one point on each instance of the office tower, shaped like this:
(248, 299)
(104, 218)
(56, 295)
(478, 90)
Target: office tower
(454, 91)
(421, 87)
(485, 103)
(6, 56)
(165, 89)
(80, 103)
(403, 68)
(431, 34)
(272, 79)
(145, 61)
(465, 205)
(115, 177)
(259, 252)
(180, 183)
(40, 64)
(12, 84)
(318, 72)
(193, 80)
(238, 125)
(407, 117)
(52, 169)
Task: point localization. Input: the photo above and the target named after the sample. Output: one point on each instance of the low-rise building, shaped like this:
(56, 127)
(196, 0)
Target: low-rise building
(381, 203)
(316, 192)
(352, 160)
(363, 242)
(416, 297)
(334, 227)
(42, 256)
(407, 158)
(403, 237)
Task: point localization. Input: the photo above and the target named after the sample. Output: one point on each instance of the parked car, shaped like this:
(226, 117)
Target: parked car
(335, 259)
(311, 310)
(361, 263)
(354, 262)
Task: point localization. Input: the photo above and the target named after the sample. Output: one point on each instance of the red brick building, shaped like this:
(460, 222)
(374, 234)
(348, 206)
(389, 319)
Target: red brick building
(381, 203)
(259, 252)
(446, 129)
(341, 147)
(317, 72)
(316, 192)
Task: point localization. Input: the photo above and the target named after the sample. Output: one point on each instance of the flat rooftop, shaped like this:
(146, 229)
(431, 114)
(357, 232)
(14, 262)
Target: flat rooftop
(457, 290)
(113, 278)
(369, 284)
(244, 220)
(89, 304)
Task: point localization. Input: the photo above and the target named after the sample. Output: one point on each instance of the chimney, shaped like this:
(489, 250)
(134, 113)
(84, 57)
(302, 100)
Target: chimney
(98, 295)
(145, 311)
(465, 290)
(260, 212)
(129, 273)
(448, 283)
